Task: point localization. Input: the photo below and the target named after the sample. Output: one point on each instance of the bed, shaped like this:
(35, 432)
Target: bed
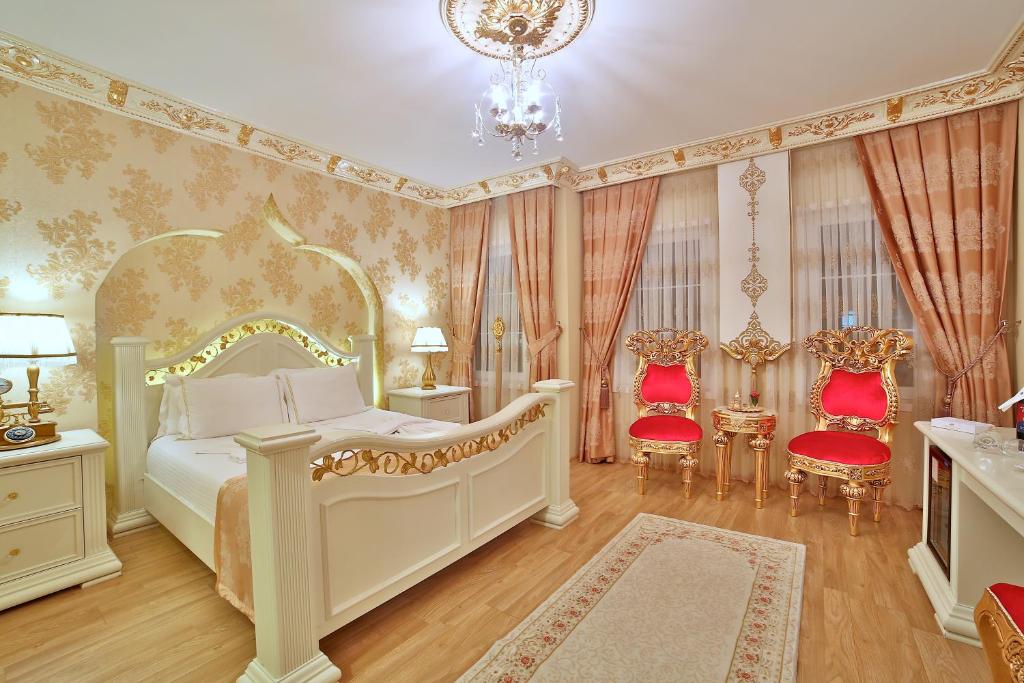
(343, 514)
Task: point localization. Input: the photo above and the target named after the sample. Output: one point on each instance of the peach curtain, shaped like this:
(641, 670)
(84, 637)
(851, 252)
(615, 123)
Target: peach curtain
(531, 225)
(469, 225)
(616, 225)
(943, 191)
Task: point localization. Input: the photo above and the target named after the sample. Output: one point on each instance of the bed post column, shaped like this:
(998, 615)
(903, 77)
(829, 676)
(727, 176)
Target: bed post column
(287, 648)
(363, 346)
(561, 509)
(129, 512)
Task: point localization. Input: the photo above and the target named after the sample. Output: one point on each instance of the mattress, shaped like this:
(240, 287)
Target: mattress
(193, 470)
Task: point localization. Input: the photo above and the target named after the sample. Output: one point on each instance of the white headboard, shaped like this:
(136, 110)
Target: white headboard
(256, 344)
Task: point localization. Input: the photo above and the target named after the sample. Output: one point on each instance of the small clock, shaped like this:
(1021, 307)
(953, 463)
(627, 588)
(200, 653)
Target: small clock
(18, 435)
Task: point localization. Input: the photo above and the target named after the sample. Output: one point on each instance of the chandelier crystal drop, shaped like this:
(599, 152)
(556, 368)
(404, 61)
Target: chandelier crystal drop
(519, 106)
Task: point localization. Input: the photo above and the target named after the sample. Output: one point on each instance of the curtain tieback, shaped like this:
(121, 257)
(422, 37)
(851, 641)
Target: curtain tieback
(545, 340)
(952, 379)
(606, 398)
(461, 348)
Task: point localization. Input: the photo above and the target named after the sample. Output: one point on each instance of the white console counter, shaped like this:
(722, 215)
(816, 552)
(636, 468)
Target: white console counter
(986, 528)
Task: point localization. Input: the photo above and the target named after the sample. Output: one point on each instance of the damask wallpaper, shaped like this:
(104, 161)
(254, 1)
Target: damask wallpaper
(81, 189)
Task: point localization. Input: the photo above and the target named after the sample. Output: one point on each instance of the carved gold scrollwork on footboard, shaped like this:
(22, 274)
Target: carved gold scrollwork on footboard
(379, 462)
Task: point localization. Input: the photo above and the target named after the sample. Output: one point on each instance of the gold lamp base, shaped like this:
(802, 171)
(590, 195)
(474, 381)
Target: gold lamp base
(20, 426)
(428, 383)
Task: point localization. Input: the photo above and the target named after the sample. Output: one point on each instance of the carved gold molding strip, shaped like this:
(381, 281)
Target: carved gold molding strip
(237, 334)
(186, 118)
(1002, 82)
(289, 151)
(378, 462)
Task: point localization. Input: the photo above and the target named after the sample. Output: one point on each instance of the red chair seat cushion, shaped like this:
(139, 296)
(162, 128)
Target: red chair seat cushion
(847, 448)
(1011, 598)
(666, 428)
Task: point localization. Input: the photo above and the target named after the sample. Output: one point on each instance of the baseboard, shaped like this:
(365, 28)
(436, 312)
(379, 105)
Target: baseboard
(128, 522)
(557, 516)
(317, 670)
(955, 620)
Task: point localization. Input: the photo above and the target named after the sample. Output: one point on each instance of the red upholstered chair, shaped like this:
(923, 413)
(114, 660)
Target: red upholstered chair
(666, 390)
(999, 617)
(855, 392)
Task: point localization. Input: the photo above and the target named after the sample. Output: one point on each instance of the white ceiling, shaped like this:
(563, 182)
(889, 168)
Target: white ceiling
(384, 82)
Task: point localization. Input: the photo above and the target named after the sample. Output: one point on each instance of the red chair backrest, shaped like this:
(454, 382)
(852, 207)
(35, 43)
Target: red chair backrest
(666, 380)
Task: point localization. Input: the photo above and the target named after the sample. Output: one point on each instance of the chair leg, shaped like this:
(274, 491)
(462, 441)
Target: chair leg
(853, 491)
(688, 463)
(877, 491)
(641, 460)
(822, 489)
(721, 464)
(796, 480)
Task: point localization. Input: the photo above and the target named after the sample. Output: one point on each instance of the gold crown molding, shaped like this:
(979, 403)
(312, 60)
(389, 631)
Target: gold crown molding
(46, 70)
(1002, 81)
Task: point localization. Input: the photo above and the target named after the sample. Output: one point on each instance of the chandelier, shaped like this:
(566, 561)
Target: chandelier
(519, 106)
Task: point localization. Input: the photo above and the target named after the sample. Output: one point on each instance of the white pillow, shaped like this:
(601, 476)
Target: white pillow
(315, 394)
(222, 406)
(172, 409)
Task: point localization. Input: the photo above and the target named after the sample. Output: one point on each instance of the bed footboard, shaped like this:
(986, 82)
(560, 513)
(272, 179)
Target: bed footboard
(342, 526)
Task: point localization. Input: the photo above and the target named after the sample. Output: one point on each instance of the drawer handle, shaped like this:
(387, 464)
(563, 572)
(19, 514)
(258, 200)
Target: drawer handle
(14, 552)
(13, 495)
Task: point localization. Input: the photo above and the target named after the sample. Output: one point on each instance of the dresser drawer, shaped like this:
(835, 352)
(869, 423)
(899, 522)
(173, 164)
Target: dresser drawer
(39, 544)
(449, 409)
(40, 488)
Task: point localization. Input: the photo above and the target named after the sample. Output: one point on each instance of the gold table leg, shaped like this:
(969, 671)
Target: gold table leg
(760, 444)
(722, 474)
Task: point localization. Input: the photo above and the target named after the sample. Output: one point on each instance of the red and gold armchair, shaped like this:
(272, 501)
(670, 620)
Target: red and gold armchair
(666, 390)
(999, 617)
(855, 392)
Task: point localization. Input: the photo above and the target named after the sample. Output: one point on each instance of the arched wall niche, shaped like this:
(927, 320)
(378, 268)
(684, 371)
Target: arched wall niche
(81, 187)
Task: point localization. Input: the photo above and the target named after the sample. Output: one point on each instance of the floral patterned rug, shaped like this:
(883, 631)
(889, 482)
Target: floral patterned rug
(665, 600)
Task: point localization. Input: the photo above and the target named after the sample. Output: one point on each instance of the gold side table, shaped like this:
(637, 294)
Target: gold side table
(760, 426)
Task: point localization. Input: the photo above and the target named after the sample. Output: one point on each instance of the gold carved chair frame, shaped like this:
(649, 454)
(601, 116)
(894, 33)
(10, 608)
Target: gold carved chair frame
(857, 350)
(666, 346)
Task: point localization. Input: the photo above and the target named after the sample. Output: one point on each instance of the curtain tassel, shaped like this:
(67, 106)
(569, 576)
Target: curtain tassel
(951, 380)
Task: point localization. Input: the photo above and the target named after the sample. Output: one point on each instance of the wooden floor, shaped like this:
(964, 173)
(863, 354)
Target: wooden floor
(865, 616)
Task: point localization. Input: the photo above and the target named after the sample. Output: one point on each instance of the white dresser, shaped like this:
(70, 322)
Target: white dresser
(450, 404)
(53, 518)
(979, 528)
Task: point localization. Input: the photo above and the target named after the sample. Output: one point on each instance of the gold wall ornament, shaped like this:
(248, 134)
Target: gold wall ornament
(970, 92)
(459, 194)
(20, 60)
(832, 124)
(679, 156)
(602, 174)
(388, 463)
(498, 331)
(186, 118)
(237, 334)
(894, 108)
(245, 134)
(548, 173)
(725, 149)
(117, 93)
(754, 346)
(400, 184)
(495, 27)
(369, 176)
(641, 167)
(485, 187)
(775, 136)
(290, 151)
(754, 284)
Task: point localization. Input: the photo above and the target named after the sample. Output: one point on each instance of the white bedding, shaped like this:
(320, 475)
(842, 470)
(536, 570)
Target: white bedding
(194, 470)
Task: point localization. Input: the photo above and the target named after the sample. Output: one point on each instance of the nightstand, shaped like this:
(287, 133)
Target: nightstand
(53, 518)
(450, 404)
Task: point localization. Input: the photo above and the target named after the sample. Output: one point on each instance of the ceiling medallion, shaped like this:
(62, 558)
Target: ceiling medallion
(519, 105)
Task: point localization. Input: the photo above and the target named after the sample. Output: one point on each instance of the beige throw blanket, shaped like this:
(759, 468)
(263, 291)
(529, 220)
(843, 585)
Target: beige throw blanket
(232, 557)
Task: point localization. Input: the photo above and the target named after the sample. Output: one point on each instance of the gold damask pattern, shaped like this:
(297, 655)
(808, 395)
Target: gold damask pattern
(77, 142)
(7, 87)
(410, 206)
(271, 169)
(382, 216)
(140, 204)
(437, 289)
(279, 272)
(216, 179)
(179, 335)
(342, 236)
(243, 233)
(161, 138)
(127, 304)
(240, 298)
(437, 219)
(326, 312)
(310, 202)
(405, 254)
(180, 261)
(380, 275)
(389, 463)
(80, 256)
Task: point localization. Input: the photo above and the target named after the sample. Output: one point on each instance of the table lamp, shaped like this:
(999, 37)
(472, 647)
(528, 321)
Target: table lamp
(429, 340)
(34, 339)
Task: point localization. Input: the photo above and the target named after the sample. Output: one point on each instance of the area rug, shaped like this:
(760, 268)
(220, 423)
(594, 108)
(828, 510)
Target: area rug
(665, 600)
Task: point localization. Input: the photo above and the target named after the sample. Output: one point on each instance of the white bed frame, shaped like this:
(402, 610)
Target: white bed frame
(326, 552)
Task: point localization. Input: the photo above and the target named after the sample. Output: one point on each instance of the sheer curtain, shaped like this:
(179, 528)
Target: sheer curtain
(500, 298)
(842, 276)
(677, 287)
